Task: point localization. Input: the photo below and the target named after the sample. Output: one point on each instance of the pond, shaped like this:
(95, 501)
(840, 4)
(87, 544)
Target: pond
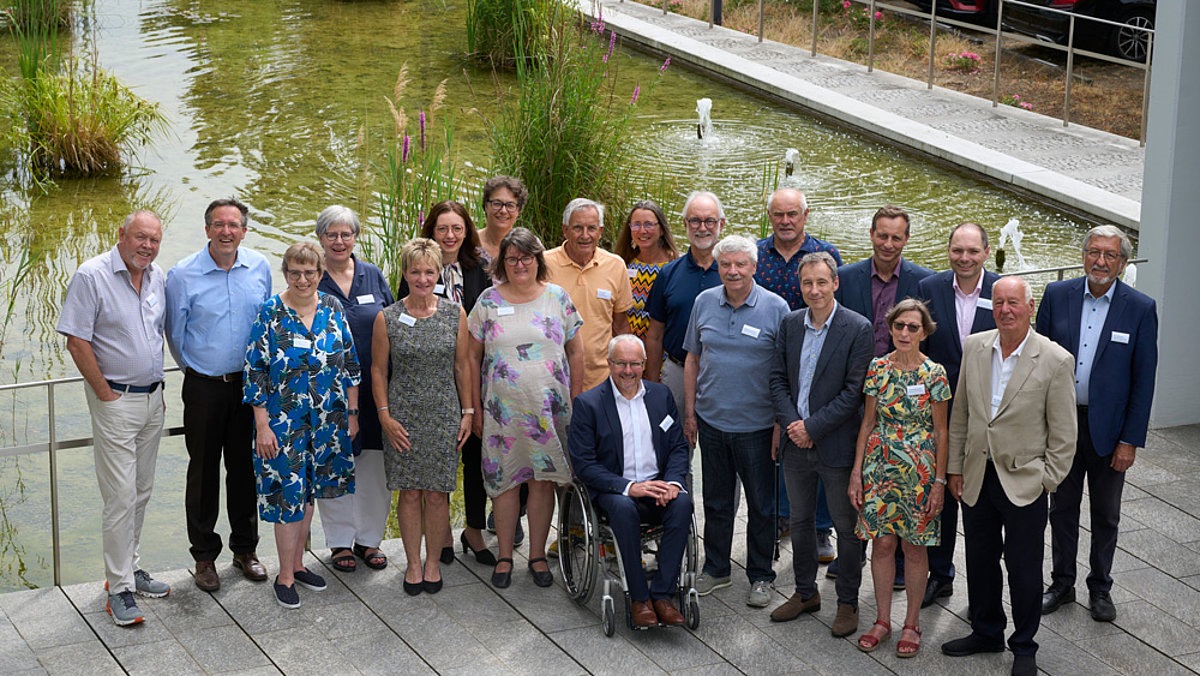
(266, 102)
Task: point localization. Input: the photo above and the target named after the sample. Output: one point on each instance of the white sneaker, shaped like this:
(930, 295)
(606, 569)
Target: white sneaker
(760, 594)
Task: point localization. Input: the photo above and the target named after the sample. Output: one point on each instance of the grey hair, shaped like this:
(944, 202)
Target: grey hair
(818, 257)
(687, 205)
(731, 244)
(982, 233)
(803, 199)
(337, 214)
(1024, 283)
(140, 212)
(625, 338)
(580, 203)
(1109, 231)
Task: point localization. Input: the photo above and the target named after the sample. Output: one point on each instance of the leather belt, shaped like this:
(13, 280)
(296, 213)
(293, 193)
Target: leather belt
(133, 389)
(235, 377)
(677, 362)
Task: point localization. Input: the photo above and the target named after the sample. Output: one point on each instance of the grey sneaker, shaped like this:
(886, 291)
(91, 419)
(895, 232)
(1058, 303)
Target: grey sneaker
(124, 609)
(148, 586)
(760, 594)
(707, 584)
(825, 550)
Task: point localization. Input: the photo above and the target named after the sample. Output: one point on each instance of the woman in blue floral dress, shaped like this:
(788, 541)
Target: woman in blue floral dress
(899, 473)
(302, 377)
(524, 332)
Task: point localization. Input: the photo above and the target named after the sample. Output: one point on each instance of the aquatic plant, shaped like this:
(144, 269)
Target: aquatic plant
(29, 14)
(499, 30)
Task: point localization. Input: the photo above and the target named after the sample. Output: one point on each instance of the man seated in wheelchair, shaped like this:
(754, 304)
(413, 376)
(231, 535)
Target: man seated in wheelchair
(627, 446)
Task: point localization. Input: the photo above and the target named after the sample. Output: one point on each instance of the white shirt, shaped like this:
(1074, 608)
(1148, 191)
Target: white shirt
(965, 305)
(641, 463)
(1002, 370)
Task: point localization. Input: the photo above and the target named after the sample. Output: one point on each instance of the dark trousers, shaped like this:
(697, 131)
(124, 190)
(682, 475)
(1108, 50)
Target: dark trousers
(941, 556)
(994, 527)
(474, 494)
(724, 457)
(804, 472)
(1105, 485)
(625, 516)
(217, 425)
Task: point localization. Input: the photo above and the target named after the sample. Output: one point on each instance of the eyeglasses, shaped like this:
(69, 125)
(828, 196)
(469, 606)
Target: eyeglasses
(709, 223)
(521, 260)
(900, 326)
(628, 364)
(335, 236)
(643, 226)
(498, 205)
(310, 275)
(446, 229)
(1109, 256)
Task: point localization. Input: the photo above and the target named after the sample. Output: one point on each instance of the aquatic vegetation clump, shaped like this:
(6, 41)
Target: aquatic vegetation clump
(499, 30)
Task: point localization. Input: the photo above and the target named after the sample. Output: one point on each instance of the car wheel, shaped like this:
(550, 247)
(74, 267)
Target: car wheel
(1127, 42)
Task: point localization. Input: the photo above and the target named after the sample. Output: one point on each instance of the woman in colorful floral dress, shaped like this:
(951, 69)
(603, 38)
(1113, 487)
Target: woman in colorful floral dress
(302, 377)
(899, 473)
(524, 333)
(645, 244)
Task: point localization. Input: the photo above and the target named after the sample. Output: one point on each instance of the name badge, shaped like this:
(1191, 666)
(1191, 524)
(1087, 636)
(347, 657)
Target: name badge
(365, 299)
(302, 343)
(439, 289)
(505, 311)
(407, 319)
(751, 331)
(1119, 337)
(604, 294)
(984, 303)
(152, 300)
(666, 423)
(631, 272)
(916, 390)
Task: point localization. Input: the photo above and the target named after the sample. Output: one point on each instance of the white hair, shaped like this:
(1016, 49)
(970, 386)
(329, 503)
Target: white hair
(1024, 284)
(803, 200)
(1109, 231)
(732, 244)
(687, 205)
(625, 338)
(580, 203)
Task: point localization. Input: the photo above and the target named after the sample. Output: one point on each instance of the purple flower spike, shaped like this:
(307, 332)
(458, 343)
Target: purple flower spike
(666, 64)
(612, 43)
(404, 148)
(422, 119)
(637, 89)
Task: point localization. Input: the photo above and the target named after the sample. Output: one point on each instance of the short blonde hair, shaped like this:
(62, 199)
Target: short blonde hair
(420, 249)
(302, 253)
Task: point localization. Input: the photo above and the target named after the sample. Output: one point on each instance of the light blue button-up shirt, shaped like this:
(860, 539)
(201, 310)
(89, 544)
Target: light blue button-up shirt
(210, 311)
(1091, 324)
(810, 352)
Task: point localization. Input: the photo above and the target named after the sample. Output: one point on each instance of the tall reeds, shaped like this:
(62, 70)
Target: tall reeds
(499, 30)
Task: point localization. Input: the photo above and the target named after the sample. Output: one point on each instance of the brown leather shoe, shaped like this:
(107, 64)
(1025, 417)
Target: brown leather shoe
(250, 565)
(796, 606)
(667, 614)
(206, 576)
(643, 614)
(845, 622)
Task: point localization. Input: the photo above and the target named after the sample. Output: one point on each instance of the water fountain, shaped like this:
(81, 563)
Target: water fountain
(1130, 276)
(790, 157)
(704, 113)
(1010, 232)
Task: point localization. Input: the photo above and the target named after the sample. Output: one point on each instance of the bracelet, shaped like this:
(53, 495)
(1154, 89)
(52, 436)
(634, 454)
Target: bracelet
(381, 408)
(939, 480)
(352, 411)
(468, 411)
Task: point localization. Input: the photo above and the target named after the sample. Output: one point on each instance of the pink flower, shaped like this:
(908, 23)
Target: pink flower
(612, 42)
(637, 89)
(846, 4)
(878, 15)
(404, 148)
(421, 117)
(665, 65)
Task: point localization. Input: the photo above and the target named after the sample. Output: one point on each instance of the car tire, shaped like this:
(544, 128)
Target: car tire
(1127, 42)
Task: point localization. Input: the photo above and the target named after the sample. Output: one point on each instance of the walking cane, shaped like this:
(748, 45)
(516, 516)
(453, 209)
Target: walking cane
(775, 521)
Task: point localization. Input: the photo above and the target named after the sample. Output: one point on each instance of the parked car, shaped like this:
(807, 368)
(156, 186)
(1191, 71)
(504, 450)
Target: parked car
(981, 12)
(1123, 41)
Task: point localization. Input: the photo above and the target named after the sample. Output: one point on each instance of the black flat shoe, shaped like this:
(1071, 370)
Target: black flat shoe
(541, 578)
(936, 589)
(431, 587)
(414, 588)
(502, 580)
(1056, 597)
(484, 556)
(447, 555)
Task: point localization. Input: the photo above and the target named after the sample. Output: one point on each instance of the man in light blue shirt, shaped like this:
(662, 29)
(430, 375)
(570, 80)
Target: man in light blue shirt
(213, 298)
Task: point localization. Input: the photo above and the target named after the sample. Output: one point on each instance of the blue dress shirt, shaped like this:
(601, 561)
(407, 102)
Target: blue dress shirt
(810, 353)
(1091, 325)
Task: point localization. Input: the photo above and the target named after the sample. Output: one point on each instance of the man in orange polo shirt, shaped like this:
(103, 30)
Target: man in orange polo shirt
(597, 282)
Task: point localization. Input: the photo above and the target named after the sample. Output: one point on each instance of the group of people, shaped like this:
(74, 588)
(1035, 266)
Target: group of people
(876, 387)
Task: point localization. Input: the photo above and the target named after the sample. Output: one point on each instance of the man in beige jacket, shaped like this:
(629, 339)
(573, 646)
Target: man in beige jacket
(1012, 440)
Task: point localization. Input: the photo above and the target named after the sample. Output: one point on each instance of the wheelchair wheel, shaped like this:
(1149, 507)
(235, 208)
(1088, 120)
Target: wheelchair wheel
(693, 614)
(610, 618)
(577, 543)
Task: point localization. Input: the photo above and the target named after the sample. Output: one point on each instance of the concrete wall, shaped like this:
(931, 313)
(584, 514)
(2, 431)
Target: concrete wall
(1170, 232)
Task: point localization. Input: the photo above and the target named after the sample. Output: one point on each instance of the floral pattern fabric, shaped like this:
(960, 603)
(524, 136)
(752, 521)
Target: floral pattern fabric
(526, 386)
(301, 377)
(900, 460)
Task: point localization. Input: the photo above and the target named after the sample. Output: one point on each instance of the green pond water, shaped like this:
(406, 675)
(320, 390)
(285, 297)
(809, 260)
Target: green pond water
(266, 101)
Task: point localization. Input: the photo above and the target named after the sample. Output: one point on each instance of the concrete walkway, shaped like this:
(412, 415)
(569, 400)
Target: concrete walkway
(1084, 169)
(365, 623)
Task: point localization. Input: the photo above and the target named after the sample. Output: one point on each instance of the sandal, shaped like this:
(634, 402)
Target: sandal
(375, 561)
(909, 648)
(869, 642)
(343, 560)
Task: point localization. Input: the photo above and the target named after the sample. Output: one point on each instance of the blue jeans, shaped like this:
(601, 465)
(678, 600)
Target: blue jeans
(724, 457)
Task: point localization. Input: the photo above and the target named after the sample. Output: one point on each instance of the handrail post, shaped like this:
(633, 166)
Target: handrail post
(664, 7)
(1146, 87)
(816, 11)
(932, 38)
(53, 486)
(1070, 70)
(760, 20)
(996, 65)
(871, 41)
(710, 13)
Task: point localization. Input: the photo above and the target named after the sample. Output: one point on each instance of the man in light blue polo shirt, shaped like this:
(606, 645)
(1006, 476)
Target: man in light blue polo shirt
(213, 298)
(730, 345)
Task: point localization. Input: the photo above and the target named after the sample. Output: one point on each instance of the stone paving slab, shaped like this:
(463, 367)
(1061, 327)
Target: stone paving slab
(1082, 168)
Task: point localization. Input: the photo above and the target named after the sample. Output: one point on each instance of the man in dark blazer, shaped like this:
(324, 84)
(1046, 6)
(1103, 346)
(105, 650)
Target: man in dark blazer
(627, 446)
(822, 355)
(960, 300)
(1112, 330)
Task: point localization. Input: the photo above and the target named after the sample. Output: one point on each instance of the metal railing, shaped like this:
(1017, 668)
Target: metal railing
(1060, 270)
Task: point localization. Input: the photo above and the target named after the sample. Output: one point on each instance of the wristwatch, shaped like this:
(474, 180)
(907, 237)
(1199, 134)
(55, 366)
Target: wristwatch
(939, 480)
(352, 411)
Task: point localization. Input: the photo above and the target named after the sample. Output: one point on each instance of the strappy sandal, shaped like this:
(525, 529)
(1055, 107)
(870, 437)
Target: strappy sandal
(376, 561)
(909, 648)
(869, 642)
(343, 560)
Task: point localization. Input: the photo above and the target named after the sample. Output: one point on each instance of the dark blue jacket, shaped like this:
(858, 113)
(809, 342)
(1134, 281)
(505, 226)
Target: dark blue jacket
(944, 346)
(854, 285)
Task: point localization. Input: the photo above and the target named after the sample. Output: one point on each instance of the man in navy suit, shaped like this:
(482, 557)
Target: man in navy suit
(627, 446)
(960, 300)
(1112, 330)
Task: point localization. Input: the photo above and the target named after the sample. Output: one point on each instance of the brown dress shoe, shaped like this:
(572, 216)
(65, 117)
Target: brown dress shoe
(795, 606)
(643, 614)
(206, 576)
(667, 614)
(845, 622)
(251, 567)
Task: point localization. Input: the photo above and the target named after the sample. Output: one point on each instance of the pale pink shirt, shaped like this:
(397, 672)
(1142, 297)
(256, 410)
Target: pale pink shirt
(964, 307)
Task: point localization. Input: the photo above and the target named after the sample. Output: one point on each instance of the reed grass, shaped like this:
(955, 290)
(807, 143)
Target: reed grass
(499, 30)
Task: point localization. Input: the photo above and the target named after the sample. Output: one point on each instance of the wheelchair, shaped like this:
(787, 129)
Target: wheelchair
(589, 559)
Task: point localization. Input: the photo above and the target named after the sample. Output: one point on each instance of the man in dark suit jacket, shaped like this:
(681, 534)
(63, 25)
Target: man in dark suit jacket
(960, 300)
(627, 446)
(822, 355)
(1112, 330)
